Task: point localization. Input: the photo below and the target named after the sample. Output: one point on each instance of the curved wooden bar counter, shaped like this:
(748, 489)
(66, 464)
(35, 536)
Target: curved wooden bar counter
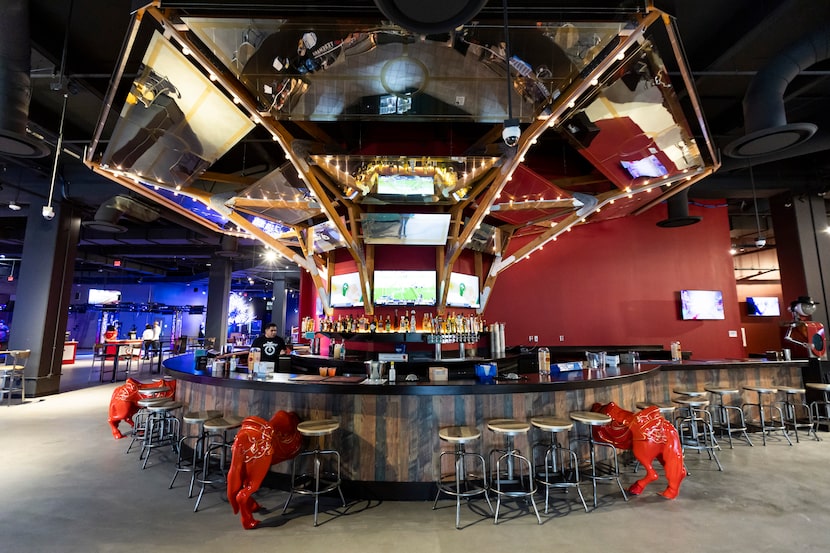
(389, 432)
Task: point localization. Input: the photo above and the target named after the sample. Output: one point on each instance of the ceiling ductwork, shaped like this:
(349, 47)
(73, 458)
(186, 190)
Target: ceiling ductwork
(765, 118)
(15, 84)
(110, 213)
(678, 208)
(429, 17)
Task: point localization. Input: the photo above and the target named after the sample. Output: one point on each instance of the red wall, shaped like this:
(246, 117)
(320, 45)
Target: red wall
(613, 283)
(617, 283)
(763, 333)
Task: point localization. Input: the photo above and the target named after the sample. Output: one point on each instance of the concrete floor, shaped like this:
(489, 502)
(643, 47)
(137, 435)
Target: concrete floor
(67, 486)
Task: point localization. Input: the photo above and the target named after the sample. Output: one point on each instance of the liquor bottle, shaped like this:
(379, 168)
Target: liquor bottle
(412, 322)
(373, 326)
(388, 326)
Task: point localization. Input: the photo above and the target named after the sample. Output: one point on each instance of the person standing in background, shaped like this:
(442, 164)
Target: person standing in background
(147, 340)
(157, 336)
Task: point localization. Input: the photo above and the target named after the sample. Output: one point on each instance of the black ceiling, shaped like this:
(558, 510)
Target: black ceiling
(75, 45)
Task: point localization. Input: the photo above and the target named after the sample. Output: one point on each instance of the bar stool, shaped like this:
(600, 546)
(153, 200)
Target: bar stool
(560, 465)
(820, 409)
(217, 445)
(591, 419)
(13, 376)
(318, 481)
(698, 423)
(197, 418)
(767, 425)
(464, 482)
(140, 419)
(507, 482)
(666, 409)
(790, 408)
(723, 420)
(162, 428)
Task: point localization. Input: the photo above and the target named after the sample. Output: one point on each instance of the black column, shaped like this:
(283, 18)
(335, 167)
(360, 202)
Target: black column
(44, 294)
(219, 288)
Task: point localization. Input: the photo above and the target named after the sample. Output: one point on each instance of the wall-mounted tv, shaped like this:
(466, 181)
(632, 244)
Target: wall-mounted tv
(103, 297)
(345, 291)
(404, 287)
(701, 304)
(418, 229)
(463, 291)
(762, 306)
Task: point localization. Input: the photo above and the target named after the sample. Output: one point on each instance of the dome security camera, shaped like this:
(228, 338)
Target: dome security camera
(511, 132)
(760, 242)
(48, 212)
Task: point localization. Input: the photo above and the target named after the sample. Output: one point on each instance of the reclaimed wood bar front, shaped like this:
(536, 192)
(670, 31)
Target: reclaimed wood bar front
(389, 432)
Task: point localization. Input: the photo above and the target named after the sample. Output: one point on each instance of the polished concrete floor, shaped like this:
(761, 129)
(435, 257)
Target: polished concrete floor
(67, 486)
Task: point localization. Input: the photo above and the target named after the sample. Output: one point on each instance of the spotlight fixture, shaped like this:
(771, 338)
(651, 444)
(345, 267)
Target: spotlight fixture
(13, 205)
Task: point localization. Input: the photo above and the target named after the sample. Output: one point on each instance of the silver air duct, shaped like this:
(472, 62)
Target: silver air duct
(110, 212)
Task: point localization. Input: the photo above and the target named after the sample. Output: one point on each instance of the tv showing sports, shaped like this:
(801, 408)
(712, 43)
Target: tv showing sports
(701, 305)
(103, 297)
(762, 306)
(404, 287)
(406, 185)
(345, 291)
(463, 291)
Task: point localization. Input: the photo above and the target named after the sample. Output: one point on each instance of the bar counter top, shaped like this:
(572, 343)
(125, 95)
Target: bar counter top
(183, 368)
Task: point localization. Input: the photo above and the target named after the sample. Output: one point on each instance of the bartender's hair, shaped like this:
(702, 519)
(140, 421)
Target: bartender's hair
(270, 325)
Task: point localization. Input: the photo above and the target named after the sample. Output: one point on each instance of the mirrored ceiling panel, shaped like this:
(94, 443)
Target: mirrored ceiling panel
(175, 123)
(317, 71)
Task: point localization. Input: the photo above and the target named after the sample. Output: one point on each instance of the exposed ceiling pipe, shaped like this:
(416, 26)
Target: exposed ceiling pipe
(110, 212)
(765, 117)
(15, 86)
(678, 207)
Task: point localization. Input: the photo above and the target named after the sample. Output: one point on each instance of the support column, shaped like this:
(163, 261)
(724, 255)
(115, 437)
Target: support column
(278, 292)
(219, 289)
(43, 295)
(803, 247)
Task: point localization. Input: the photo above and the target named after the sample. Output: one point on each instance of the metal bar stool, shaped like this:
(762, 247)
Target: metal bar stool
(723, 420)
(820, 409)
(318, 481)
(13, 377)
(796, 413)
(197, 418)
(698, 424)
(217, 447)
(612, 473)
(162, 428)
(560, 465)
(462, 482)
(767, 425)
(514, 482)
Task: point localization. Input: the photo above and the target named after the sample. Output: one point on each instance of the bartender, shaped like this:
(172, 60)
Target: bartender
(270, 346)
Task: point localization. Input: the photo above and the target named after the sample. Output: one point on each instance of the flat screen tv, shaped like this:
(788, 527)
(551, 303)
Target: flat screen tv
(404, 287)
(463, 291)
(761, 306)
(345, 291)
(701, 304)
(406, 185)
(647, 167)
(103, 297)
(414, 229)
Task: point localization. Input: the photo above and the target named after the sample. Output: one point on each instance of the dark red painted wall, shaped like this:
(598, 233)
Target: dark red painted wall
(611, 283)
(617, 283)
